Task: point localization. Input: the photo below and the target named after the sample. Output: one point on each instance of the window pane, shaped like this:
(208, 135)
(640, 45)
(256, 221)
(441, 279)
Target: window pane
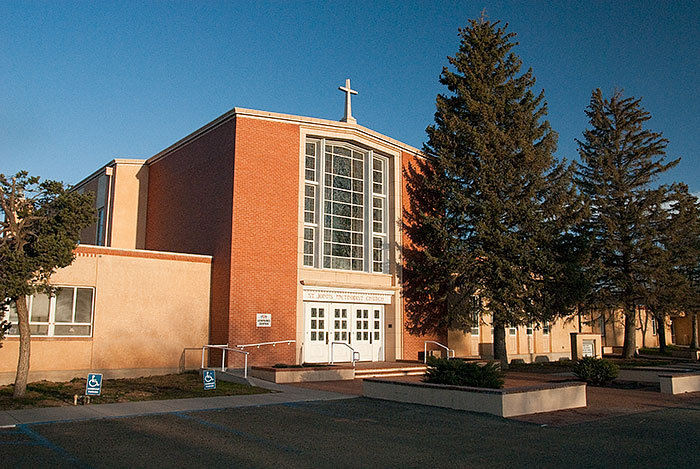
(83, 305)
(67, 330)
(64, 305)
(38, 329)
(40, 308)
(12, 316)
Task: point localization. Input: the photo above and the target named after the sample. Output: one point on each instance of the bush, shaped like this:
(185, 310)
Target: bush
(457, 372)
(596, 370)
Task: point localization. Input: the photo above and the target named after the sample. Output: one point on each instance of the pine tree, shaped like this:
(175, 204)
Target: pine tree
(490, 202)
(619, 162)
(673, 231)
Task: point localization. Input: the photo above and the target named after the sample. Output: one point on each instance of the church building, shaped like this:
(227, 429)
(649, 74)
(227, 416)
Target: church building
(302, 218)
(257, 228)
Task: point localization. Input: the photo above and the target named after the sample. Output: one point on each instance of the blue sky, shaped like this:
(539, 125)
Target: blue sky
(83, 83)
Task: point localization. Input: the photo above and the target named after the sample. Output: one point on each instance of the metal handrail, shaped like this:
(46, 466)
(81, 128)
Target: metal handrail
(425, 350)
(267, 343)
(355, 353)
(223, 349)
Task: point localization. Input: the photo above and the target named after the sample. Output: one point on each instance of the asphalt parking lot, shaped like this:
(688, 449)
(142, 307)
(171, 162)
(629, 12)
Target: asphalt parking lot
(356, 432)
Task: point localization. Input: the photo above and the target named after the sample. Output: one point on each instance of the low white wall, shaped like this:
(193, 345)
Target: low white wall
(301, 375)
(501, 402)
(648, 374)
(679, 384)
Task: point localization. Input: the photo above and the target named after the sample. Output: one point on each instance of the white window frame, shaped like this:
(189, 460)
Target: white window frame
(51, 320)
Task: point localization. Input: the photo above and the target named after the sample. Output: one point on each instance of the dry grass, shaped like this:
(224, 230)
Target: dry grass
(175, 386)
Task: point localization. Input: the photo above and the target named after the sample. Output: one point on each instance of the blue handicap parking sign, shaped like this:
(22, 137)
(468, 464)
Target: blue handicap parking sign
(209, 378)
(94, 384)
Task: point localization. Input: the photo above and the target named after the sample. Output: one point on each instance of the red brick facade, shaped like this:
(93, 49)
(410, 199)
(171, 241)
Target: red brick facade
(413, 344)
(190, 201)
(264, 237)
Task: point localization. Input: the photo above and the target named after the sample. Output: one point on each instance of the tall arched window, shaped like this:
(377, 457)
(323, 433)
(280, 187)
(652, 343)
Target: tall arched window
(345, 207)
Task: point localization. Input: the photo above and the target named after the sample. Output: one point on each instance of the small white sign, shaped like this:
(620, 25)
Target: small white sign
(263, 320)
(587, 349)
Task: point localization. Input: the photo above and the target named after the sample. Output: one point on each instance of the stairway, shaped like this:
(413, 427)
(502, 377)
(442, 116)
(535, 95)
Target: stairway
(409, 370)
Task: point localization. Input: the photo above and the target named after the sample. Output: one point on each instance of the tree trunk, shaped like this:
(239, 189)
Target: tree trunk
(694, 333)
(499, 346)
(628, 347)
(24, 343)
(661, 331)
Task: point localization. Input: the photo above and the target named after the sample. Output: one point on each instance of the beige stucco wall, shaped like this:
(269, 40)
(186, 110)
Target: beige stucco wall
(129, 204)
(521, 346)
(121, 188)
(614, 334)
(683, 330)
(149, 306)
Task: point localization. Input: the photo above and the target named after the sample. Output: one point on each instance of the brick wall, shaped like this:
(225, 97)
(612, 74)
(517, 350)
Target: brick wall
(412, 344)
(264, 237)
(189, 210)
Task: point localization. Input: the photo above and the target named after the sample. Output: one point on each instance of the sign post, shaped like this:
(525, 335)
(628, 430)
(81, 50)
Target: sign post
(93, 387)
(209, 378)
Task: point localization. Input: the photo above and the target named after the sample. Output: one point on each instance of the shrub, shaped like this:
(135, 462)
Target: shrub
(596, 370)
(457, 372)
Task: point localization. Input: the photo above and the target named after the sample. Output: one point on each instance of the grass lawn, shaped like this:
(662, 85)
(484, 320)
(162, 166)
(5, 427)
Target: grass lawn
(175, 386)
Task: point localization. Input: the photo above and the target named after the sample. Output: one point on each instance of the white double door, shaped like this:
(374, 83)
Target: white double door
(341, 328)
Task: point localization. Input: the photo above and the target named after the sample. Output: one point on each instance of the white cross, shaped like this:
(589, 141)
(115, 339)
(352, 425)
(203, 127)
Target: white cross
(348, 106)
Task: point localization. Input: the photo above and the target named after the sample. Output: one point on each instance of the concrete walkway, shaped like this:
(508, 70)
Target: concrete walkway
(283, 394)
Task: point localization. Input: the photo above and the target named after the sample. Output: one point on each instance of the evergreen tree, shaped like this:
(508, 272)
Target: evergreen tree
(490, 203)
(619, 161)
(39, 229)
(672, 252)
(687, 248)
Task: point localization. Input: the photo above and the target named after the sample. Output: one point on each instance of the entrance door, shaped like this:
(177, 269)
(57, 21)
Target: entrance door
(377, 333)
(332, 326)
(316, 336)
(368, 331)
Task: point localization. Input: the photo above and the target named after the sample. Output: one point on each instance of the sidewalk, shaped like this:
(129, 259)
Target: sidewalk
(284, 394)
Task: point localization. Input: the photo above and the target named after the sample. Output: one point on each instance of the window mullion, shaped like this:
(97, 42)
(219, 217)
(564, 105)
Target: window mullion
(52, 314)
(368, 239)
(320, 203)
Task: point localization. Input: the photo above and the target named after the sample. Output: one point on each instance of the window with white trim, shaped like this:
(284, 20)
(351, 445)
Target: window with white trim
(100, 231)
(69, 313)
(528, 329)
(345, 207)
(513, 330)
(476, 315)
(546, 328)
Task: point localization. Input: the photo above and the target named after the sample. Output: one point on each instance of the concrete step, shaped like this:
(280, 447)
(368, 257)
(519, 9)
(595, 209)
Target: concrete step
(389, 372)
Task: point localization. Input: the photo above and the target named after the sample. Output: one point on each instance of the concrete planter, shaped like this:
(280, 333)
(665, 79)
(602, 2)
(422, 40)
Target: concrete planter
(679, 383)
(305, 374)
(648, 374)
(502, 402)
